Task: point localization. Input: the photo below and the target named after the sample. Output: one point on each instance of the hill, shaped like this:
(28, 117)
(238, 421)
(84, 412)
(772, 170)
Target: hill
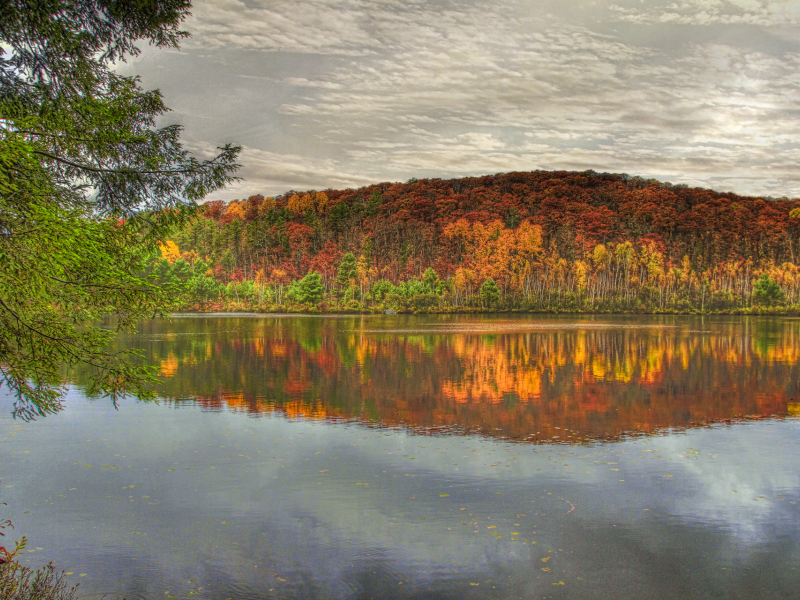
(569, 240)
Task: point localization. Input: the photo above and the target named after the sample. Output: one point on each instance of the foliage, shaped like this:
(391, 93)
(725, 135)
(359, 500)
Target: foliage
(550, 240)
(767, 292)
(18, 582)
(294, 293)
(312, 290)
(431, 279)
(203, 288)
(490, 293)
(240, 290)
(348, 271)
(89, 188)
(513, 220)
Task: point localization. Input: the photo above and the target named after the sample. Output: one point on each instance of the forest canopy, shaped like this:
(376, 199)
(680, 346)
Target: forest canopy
(545, 239)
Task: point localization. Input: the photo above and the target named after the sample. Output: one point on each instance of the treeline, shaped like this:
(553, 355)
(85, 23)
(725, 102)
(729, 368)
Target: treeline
(529, 241)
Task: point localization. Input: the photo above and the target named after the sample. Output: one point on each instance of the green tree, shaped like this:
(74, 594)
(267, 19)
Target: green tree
(513, 220)
(490, 293)
(203, 288)
(240, 290)
(348, 271)
(182, 273)
(88, 187)
(375, 201)
(200, 267)
(228, 262)
(430, 278)
(381, 288)
(312, 290)
(162, 274)
(338, 215)
(767, 292)
(294, 292)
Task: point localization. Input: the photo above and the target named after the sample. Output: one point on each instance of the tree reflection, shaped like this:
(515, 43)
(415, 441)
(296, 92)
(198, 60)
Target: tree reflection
(565, 381)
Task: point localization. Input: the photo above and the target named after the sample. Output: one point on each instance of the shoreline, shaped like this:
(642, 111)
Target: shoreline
(275, 310)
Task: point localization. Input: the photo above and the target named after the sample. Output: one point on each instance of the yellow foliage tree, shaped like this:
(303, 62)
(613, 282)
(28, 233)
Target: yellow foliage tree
(267, 205)
(235, 211)
(169, 251)
(600, 257)
(315, 201)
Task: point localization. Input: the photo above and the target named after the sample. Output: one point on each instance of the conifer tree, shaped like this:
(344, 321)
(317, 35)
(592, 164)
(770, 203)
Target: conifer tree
(89, 187)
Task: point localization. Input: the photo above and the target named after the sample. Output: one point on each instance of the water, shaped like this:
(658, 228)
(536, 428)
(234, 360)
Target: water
(427, 457)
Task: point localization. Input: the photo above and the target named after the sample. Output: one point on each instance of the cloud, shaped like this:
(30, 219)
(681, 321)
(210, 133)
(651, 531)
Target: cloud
(368, 90)
(271, 173)
(341, 27)
(303, 82)
(765, 13)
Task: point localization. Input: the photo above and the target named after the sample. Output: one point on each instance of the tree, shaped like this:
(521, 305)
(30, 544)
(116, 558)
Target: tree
(294, 293)
(490, 293)
(202, 288)
(338, 215)
(182, 273)
(89, 186)
(430, 278)
(513, 220)
(228, 262)
(767, 292)
(348, 270)
(312, 290)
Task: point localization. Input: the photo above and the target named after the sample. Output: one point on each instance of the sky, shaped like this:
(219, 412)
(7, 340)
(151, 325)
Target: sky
(345, 93)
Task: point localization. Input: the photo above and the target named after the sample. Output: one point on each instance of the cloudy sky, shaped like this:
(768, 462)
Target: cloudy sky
(344, 93)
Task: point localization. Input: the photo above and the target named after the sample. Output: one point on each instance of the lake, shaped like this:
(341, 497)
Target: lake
(426, 457)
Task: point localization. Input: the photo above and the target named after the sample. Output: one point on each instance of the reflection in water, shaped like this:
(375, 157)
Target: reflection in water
(201, 497)
(534, 379)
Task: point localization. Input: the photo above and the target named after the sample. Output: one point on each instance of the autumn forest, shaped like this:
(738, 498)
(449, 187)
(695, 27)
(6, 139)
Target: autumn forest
(539, 241)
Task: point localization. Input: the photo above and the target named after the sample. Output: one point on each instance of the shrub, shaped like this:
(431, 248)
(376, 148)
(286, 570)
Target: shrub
(423, 301)
(22, 583)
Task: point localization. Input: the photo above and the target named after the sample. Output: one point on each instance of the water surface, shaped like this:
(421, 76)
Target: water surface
(427, 457)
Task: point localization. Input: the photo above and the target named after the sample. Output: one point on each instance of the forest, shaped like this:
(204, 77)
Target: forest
(530, 241)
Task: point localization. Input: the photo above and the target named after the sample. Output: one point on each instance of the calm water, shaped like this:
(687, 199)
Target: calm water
(427, 457)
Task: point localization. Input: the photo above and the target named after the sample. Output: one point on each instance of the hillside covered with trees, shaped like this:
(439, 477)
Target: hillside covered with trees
(531, 241)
